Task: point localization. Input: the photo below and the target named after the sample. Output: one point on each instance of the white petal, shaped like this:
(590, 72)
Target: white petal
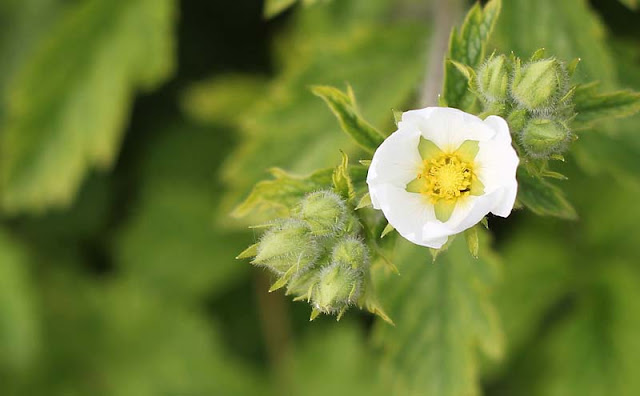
(411, 215)
(397, 160)
(504, 206)
(468, 212)
(500, 126)
(496, 165)
(448, 128)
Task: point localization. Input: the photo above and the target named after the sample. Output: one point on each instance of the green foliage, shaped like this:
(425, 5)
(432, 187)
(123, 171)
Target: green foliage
(443, 315)
(345, 109)
(19, 319)
(275, 7)
(467, 46)
(632, 4)
(288, 127)
(171, 223)
(567, 29)
(542, 197)
(75, 121)
(592, 106)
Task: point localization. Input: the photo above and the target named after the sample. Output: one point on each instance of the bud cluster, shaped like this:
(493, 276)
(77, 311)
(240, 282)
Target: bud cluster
(535, 97)
(317, 253)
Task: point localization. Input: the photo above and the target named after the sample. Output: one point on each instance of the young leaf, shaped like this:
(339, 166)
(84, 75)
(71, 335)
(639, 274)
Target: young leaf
(84, 73)
(542, 197)
(467, 47)
(342, 182)
(442, 314)
(345, 109)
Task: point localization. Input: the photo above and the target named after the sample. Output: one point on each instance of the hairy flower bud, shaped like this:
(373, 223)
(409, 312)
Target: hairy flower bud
(287, 245)
(540, 84)
(351, 252)
(324, 211)
(493, 79)
(542, 137)
(337, 287)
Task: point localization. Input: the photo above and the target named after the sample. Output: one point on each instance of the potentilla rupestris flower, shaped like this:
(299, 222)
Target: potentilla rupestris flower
(441, 172)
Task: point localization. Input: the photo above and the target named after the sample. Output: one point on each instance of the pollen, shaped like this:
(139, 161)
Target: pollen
(446, 177)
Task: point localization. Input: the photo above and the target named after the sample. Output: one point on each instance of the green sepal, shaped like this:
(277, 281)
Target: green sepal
(364, 202)
(415, 186)
(249, 252)
(471, 235)
(282, 281)
(468, 150)
(428, 149)
(387, 230)
(444, 208)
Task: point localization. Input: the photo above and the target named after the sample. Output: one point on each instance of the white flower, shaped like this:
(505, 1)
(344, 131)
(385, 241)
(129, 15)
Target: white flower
(441, 172)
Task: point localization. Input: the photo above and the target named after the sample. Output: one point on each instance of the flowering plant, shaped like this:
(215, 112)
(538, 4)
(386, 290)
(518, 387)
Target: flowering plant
(488, 148)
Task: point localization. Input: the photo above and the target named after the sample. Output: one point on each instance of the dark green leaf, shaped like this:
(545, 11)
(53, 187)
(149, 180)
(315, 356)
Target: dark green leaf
(592, 106)
(542, 197)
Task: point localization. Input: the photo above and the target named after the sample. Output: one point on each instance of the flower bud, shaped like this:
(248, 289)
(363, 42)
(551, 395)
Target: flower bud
(351, 252)
(337, 287)
(539, 85)
(542, 137)
(324, 211)
(288, 244)
(493, 79)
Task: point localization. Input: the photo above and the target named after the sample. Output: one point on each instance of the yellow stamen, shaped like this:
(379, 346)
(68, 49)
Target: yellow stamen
(446, 177)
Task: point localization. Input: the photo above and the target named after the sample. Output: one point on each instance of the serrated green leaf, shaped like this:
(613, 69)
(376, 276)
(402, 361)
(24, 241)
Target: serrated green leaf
(84, 73)
(542, 197)
(592, 106)
(345, 109)
(467, 47)
(443, 315)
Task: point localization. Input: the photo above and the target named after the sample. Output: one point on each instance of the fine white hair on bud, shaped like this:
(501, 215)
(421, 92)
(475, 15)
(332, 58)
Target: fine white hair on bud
(493, 79)
(287, 244)
(543, 137)
(352, 252)
(337, 287)
(539, 85)
(324, 212)
(441, 172)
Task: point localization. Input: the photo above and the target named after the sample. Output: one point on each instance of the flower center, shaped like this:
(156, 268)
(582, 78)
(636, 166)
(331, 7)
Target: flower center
(446, 177)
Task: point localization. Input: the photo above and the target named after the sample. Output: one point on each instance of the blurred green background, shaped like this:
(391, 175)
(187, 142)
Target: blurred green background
(129, 129)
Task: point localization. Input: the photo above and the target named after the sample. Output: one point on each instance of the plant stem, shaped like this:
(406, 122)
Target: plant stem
(445, 15)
